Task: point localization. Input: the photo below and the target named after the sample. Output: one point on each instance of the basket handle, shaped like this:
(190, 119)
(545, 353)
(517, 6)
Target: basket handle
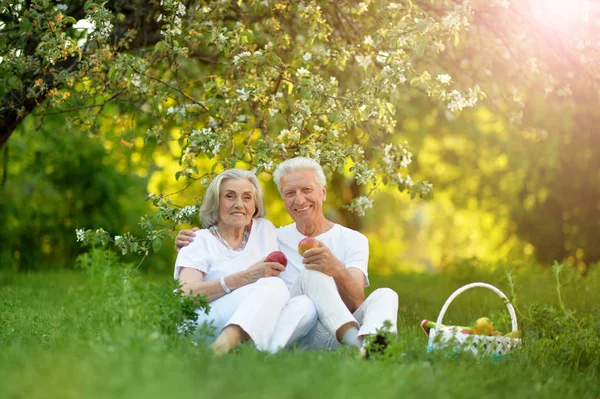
(464, 288)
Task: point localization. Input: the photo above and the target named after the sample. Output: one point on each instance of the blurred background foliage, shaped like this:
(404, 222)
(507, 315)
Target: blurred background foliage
(516, 177)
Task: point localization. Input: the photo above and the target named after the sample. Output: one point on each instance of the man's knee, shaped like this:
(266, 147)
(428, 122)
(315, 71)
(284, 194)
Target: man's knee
(314, 277)
(385, 294)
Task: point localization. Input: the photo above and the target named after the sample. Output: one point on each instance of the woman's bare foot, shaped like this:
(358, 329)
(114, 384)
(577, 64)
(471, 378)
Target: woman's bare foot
(230, 337)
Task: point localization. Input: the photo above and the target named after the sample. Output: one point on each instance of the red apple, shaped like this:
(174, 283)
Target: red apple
(307, 243)
(277, 257)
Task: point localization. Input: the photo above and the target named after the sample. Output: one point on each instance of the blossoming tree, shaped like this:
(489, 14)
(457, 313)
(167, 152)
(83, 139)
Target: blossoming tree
(248, 83)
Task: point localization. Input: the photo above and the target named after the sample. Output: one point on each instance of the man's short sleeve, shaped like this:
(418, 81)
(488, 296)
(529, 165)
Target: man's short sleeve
(194, 256)
(357, 253)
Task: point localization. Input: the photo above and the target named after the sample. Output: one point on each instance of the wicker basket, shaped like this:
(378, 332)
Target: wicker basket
(452, 337)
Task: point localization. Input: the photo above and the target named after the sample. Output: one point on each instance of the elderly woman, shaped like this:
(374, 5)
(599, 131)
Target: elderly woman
(225, 262)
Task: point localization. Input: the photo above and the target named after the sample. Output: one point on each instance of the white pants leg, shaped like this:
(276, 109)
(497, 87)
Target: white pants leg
(318, 338)
(321, 288)
(295, 321)
(254, 307)
(380, 306)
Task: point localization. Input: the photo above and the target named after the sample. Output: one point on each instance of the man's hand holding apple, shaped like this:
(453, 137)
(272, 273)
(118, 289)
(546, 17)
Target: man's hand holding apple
(318, 257)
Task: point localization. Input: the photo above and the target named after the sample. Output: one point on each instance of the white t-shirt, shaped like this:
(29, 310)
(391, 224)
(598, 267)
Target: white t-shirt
(207, 254)
(349, 246)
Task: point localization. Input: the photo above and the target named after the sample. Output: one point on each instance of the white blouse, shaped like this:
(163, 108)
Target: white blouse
(207, 254)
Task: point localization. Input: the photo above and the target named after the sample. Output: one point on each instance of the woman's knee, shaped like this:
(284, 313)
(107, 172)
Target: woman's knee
(306, 307)
(275, 285)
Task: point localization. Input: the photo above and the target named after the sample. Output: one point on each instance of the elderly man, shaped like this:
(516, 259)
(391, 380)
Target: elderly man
(334, 274)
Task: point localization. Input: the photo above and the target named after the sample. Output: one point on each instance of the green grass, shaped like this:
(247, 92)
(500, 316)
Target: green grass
(70, 334)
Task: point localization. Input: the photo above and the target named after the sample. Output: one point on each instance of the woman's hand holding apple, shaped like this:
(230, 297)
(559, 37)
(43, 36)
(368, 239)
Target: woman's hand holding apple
(263, 269)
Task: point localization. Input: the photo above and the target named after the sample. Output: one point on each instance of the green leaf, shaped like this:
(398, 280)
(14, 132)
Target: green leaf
(89, 5)
(156, 243)
(25, 25)
(415, 81)
(158, 47)
(390, 107)
(420, 49)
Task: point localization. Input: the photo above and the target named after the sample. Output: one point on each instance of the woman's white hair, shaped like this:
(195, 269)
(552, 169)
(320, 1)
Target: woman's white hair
(296, 164)
(209, 210)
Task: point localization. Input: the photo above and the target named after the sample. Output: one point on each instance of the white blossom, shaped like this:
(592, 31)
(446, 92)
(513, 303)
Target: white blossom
(363, 60)
(362, 8)
(382, 57)
(239, 57)
(368, 40)
(176, 110)
(444, 78)
(186, 212)
(104, 28)
(307, 56)
(456, 20)
(407, 181)
(361, 204)
(302, 72)
(80, 235)
(264, 165)
(180, 10)
(283, 133)
(458, 101)
(243, 94)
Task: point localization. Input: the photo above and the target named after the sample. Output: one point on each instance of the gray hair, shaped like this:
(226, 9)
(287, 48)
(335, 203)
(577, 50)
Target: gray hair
(296, 164)
(209, 210)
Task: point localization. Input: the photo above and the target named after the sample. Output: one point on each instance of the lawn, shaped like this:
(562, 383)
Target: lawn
(94, 333)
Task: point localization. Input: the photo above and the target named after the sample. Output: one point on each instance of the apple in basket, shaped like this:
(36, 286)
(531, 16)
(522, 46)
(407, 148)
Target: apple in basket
(277, 257)
(484, 326)
(307, 243)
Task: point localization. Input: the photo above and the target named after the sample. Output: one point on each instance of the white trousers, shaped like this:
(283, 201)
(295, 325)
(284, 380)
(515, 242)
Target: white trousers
(254, 307)
(379, 307)
(296, 320)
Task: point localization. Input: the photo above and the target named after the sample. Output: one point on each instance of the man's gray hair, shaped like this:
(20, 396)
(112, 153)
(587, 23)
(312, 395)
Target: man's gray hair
(296, 164)
(209, 210)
